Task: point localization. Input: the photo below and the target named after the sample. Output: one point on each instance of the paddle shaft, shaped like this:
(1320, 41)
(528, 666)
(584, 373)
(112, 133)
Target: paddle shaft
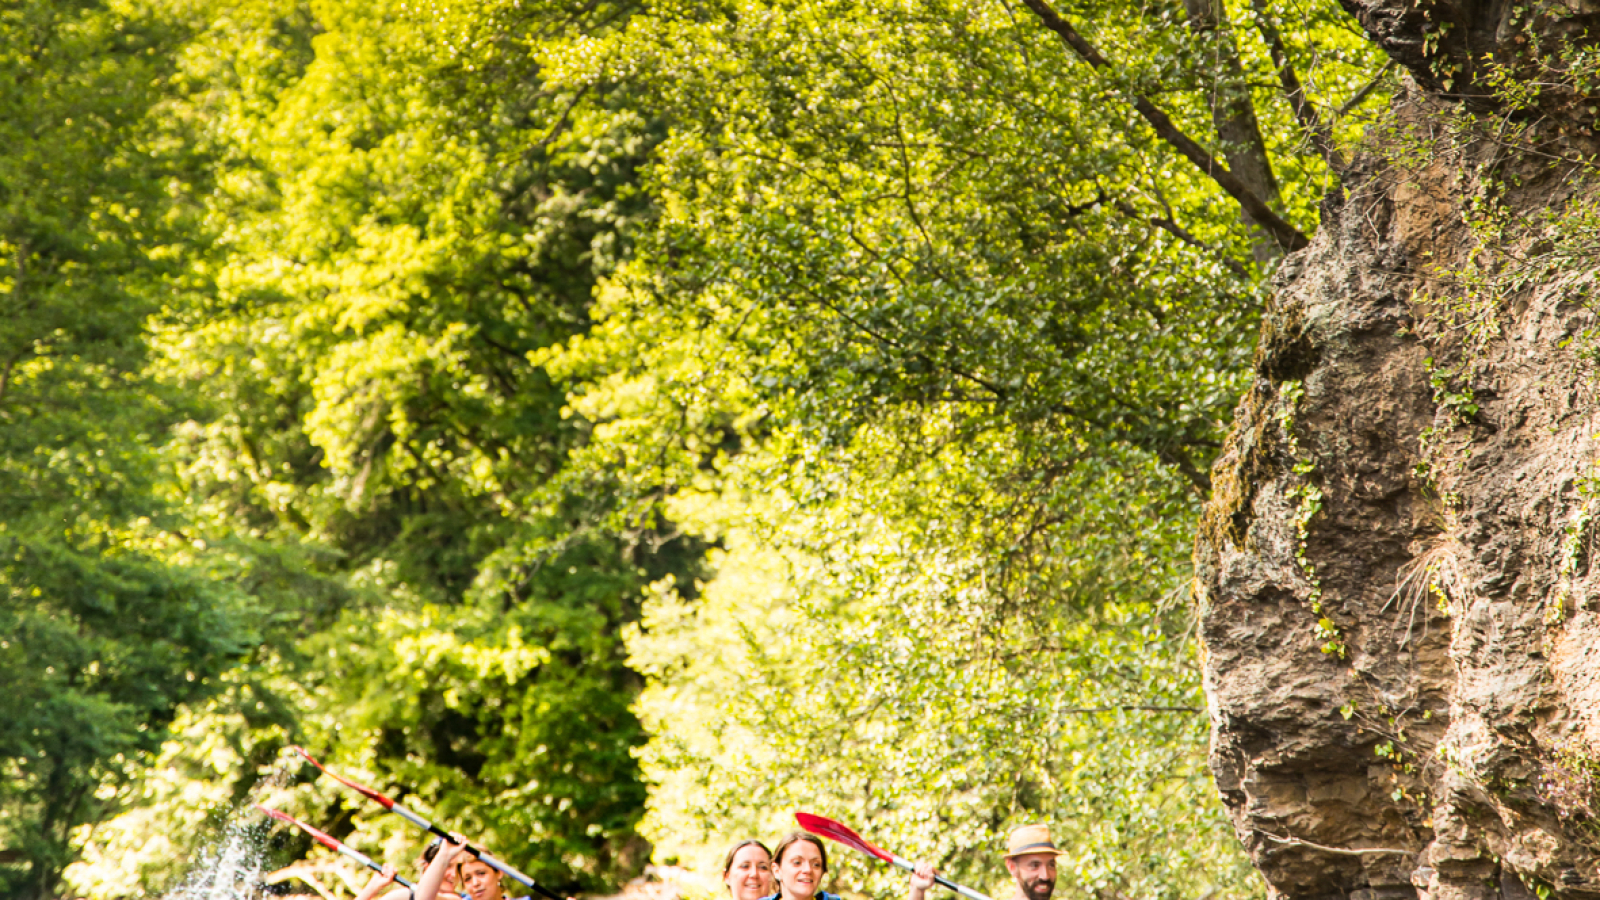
(367, 861)
(963, 890)
(487, 858)
(334, 844)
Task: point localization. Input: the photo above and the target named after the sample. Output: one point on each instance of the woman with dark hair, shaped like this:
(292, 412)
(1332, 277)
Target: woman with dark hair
(447, 889)
(479, 880)
(444, 860)
(799, 864)
(747, 870)
(474, 878)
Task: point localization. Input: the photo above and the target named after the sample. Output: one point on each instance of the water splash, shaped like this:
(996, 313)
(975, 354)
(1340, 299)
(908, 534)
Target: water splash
(231, 869)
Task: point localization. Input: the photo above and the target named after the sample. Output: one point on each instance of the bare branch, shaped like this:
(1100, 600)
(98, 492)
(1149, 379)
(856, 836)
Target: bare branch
(1342, 851)
(1170, 226)
(1084, 710)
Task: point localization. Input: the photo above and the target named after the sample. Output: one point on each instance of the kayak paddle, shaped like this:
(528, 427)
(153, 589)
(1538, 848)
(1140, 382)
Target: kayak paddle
(334, 844)
(428, 826)
(843, 834)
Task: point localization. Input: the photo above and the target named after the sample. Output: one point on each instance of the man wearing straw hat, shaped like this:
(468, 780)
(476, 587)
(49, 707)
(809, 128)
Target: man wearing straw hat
(1030, 858)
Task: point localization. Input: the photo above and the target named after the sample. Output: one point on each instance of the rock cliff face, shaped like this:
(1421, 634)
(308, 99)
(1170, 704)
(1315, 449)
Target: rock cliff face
(1401, 623)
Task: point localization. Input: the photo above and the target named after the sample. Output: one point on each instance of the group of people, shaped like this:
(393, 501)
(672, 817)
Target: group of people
(794, 870)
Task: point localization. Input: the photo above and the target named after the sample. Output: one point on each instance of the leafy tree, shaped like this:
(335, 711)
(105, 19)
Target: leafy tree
(929, 313)
(108, 622)
(947, 308)
(404, 214)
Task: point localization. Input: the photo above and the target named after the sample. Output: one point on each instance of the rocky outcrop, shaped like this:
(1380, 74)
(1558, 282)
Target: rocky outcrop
(1401, 625)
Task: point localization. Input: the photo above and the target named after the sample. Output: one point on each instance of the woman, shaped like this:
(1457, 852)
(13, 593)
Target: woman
(474, 878)
(799, 864)
(747, 870)
(448, 888)
(444, 860)
(479, 880)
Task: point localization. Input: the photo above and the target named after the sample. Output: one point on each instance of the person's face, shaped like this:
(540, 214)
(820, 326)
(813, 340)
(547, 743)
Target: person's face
(1035, 874)
(800, 871)
(480, 881)
(750, 876)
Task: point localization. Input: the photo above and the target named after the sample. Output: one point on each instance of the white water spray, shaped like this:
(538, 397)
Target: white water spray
(231, 868)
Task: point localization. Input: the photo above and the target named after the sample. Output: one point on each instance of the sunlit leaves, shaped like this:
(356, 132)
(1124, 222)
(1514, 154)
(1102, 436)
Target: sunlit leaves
(405, 217)
(940, 341)
(107, 624)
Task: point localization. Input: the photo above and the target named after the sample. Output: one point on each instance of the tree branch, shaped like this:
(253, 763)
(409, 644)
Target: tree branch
(1316, 129)
(1084, 710)
(5, 377)
(1287, 236)
(1233, 115)
(561, 120)
(1030, 709)
(1366, 91)
(1183, 234)
(1179, 459)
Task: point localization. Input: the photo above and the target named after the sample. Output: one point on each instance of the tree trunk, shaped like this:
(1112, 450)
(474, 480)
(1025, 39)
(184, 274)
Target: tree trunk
(1233, 115)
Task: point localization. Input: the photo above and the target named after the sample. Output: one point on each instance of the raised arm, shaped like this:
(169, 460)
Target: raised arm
(921, 880)
(428, 887)
(379, 881)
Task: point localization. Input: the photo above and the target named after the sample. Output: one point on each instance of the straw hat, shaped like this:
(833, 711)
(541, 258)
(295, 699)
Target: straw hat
(1031, 839)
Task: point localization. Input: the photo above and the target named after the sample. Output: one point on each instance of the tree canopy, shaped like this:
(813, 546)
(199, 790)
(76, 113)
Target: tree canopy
(110, 624)
(942, 341)
(618, 425)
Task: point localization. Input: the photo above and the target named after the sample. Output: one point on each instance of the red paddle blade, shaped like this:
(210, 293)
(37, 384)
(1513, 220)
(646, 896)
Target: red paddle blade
(323, 839)
(836, 831)
(367, 792)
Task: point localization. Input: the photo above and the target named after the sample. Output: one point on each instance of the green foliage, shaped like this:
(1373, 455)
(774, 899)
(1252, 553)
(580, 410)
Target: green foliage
(933, 319)
(885, 231)
(831, 667)
(106, 627)
(403, 216)
(479, 326)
